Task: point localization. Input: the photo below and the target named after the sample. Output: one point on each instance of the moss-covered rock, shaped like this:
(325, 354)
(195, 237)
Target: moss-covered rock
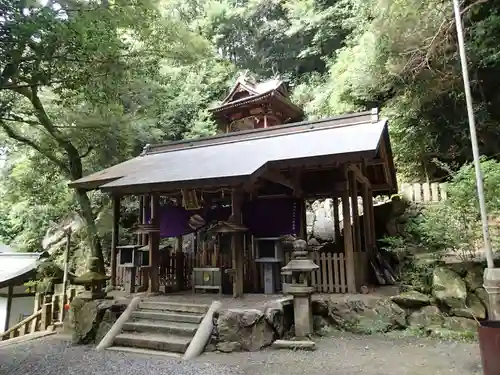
(473, 309)
(411, 299)
(366, 315)
(428, 316)
(459, 324)
(474, 278)
(321, 326)
(91, 320)
(448, 287)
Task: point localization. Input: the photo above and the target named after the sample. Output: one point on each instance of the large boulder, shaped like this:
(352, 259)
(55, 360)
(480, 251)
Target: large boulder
(365, 314)
(474, 308)
(411, 299)
(91, 320)
(474, 278)
(321, 326)
(323, 224)
(448, 288)
(459, 324)
(249, 328)
(275, 317)
(428, 316)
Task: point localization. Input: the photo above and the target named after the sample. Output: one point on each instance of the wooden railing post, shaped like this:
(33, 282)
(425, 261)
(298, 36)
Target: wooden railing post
(46, 313)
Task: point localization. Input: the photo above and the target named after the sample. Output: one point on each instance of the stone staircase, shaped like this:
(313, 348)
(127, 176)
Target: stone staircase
(163, 328)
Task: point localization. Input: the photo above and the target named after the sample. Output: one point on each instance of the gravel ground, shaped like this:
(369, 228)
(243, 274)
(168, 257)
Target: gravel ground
(342, 355)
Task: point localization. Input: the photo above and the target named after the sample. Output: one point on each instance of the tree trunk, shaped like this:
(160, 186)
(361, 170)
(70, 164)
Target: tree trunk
(92, 233)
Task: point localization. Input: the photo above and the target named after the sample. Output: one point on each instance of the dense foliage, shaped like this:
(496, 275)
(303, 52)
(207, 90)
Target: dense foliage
(85, 84)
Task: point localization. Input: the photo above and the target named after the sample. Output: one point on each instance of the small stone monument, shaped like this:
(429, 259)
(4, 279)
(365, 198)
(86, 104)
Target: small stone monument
(94, 281)
(301, 268)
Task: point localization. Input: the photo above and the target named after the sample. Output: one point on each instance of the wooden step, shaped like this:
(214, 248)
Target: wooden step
(153, 341)
(161, 326)
(147, 352)
(167, 316)
(173, 307)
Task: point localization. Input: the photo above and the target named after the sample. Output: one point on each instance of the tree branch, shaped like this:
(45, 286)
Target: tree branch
(28, 142)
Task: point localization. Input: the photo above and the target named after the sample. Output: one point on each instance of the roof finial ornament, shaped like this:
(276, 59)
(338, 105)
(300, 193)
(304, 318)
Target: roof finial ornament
(146, 149)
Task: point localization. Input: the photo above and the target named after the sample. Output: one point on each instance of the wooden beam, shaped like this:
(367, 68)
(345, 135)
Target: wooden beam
(360, 176)
(115, 235)
(348, 245)
(385, 167)
(278, 178)
(237, 244)
(145, 239)
(179, 263)
(355, 212)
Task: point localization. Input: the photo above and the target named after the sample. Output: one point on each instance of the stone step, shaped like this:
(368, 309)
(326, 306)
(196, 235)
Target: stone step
(162, 326)
(153, 341)
(173, 307)
(166, 316)
(146, 352)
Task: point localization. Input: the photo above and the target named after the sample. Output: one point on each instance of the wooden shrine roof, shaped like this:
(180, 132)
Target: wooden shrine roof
(234, 158)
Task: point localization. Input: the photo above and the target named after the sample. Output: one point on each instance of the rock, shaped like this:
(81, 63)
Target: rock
(483, 296)
(411, 299)
(91, 320)
(323, 225)
(366, 315)
(474, 278)
(320, 307)
(249, 328)
(321, 326)
(274, 316)
(428, 316)
(313, 242)
(83, 316)
(211, 348)
(460, 324)
(228, 347)
(474, 308)
(448, 288)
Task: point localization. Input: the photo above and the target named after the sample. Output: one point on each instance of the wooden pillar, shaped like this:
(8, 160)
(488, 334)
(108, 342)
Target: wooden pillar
(179, 263)
(237, 244)
(115, 235)
(146, 203)
(154, 246)
(10, 291)
(353, 184)
(336, 220)
(367, 218)
(373, 236)
(348, 245)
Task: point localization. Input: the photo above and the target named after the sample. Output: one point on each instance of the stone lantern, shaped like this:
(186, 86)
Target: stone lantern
(93, 281)
(301, 268)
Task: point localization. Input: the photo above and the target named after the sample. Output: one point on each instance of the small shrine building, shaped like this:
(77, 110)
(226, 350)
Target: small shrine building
(245, 189)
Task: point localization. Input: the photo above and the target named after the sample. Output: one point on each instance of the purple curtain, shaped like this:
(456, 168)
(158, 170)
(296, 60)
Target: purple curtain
(272, 217)
(264, 217)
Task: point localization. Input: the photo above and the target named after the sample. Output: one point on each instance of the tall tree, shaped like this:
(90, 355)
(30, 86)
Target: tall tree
(79, 55)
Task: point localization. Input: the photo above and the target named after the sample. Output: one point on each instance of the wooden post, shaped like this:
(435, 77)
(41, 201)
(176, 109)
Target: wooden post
(367, 218)
(10, 291)
(114, 237)
(353, 185)
(46, 313)
(179, 264)
(145, 240)
(336, 219)
(38, 303)
(154, 246)
(237, 244)
(348, 245)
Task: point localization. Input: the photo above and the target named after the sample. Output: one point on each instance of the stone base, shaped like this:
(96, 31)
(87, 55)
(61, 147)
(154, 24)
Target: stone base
(294, 344)
(491, 278)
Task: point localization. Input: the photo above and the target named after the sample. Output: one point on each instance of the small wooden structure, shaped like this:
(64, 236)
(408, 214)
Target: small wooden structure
(264, 157)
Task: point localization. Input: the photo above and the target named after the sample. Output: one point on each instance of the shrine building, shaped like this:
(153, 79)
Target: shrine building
(241, 195)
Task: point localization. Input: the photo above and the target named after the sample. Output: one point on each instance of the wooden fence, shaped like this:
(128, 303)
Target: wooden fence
(49, 310)
(426, 193)
(331, 275)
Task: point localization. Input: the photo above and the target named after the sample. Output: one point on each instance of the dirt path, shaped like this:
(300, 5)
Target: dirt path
(341, 355)
(351, 354)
